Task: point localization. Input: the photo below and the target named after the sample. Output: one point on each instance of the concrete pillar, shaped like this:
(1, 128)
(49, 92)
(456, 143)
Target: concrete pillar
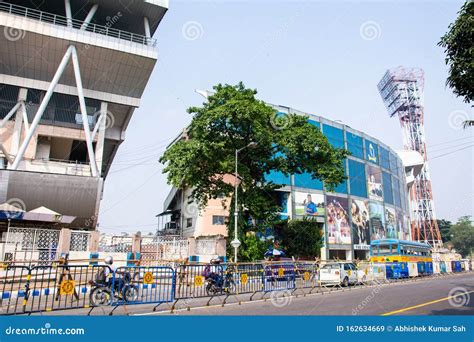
(94, 241)
(136, 243)
(16, 137)
(191, 246)
(99, 146)
(64, 242)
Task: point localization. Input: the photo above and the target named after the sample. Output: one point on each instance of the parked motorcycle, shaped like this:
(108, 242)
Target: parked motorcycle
(102, 291)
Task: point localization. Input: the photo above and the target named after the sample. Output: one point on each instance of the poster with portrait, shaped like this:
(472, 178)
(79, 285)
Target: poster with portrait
(360, 222)
(401, 230)
(377, 221)
(309, 204)
(407, 227)
(374, 183)
(338, 220)
(390, 223)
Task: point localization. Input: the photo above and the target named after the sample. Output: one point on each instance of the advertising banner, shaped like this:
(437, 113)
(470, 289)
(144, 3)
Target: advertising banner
(309, 204)
(360, 223)
(377, 221)
(374, 183)
(338, 220)
(390, 223)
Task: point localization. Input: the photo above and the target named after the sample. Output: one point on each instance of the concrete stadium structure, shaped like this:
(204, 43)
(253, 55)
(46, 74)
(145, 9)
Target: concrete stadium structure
(370, 204)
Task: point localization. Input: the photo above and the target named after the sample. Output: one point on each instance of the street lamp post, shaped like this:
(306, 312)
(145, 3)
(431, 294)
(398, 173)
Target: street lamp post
(236, 243)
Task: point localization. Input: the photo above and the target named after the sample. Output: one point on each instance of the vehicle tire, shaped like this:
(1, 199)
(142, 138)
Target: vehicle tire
(100, 296)
(345, 282)
(130, 293)
(211, 289)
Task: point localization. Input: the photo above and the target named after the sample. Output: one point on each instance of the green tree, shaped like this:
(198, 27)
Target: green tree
(462, 236)
(302, 238)
(458, 44)
(231, 119)
(444, 227)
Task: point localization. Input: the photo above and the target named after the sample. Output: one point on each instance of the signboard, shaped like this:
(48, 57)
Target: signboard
(309, 204)
(338, 228)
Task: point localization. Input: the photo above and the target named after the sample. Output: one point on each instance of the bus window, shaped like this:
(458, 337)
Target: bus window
(384, 249)
(394, 248)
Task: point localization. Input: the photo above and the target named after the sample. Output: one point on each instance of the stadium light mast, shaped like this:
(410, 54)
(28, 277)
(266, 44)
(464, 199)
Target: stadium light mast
(402, 92)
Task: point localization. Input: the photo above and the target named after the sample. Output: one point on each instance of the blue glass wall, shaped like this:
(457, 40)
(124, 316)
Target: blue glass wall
(371, 152)
(342, 188)
(277, 178)
(387, 187)
(396, 192)
(334, 135)
(305, 180)
(355, 145)
(315, 123)
(384, 158)
(393, 164)
(357, 179)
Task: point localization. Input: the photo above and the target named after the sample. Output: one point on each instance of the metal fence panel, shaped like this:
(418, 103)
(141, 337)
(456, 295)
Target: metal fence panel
(306, 275)
(143, 284)
(196, 281)
(13, 289)
(248, 277)
(65, 287)
(279, 276)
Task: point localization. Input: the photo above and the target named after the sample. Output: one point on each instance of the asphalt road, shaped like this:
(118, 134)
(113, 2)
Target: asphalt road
(425, 296)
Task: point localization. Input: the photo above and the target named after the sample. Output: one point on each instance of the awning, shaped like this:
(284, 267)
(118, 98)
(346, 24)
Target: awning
(8, 211)
(44, 214)
(168, 212)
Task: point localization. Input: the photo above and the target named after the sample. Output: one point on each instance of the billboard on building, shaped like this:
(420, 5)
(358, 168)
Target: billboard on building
(374, 183)
(360, 223)
(338, 220)
(390, 223)
(377, 221)
(309, 204)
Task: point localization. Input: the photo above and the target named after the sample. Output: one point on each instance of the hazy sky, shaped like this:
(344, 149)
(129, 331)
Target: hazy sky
(321, 57)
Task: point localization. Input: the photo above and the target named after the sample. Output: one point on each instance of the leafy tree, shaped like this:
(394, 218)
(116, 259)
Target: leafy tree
(231, 119)
(302, 238)
(463, 236)
(444, 227)
(458, 44)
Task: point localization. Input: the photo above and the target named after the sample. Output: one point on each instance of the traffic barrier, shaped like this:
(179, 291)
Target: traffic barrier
(372, 272)
(143, 285)
(396, 270)
(279, 276)
(197, 281)
(14, 289)
(64, 286)
(306, 275)
(248, 277)
(456, 266)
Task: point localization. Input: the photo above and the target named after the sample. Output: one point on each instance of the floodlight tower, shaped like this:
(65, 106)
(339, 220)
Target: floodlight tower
(402, 92)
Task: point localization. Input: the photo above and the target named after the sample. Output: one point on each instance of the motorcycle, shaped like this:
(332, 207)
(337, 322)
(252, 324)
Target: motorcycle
(217, 283)
(102, 290)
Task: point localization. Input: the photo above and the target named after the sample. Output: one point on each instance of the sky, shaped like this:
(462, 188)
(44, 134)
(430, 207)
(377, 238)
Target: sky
(321, 57)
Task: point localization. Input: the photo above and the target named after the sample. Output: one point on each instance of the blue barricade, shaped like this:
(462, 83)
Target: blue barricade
(143, 285)
(279, 276)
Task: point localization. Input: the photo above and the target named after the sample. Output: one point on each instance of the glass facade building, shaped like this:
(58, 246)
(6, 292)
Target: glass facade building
(371, 204)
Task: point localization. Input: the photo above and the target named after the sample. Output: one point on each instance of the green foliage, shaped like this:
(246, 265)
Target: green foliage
(444, 227)
(302, 238)
(252, 248)
(463, 236)
(231, 119)
(458, 44)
